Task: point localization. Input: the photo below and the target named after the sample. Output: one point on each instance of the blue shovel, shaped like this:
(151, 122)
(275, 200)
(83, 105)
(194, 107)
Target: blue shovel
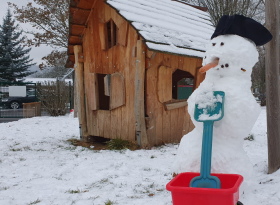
(207, 115)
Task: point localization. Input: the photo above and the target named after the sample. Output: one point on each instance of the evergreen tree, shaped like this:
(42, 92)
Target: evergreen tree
(14, 58)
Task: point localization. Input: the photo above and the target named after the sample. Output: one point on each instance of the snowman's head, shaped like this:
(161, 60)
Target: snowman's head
(235, 56)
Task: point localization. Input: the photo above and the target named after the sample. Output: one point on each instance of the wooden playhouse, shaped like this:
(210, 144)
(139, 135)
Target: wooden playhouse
(136, 62)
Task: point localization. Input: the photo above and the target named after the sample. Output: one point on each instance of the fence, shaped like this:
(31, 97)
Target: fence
(56, 97)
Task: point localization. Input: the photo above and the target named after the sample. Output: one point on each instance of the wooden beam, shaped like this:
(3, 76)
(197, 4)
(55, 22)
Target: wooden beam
(81, 26)
(80, 90)
(272, 85)
(79, 9)
(175, 105)
(139, 107)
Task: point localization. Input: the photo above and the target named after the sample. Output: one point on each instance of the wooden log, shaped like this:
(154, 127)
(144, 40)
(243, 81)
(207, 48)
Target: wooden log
(79, 80)
(139, 110)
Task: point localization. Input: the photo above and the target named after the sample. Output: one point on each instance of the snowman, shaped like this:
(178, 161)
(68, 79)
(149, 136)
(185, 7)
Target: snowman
(228, 63)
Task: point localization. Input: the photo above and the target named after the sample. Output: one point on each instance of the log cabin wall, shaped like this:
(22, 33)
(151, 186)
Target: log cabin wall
(120, 60)
(167, 125)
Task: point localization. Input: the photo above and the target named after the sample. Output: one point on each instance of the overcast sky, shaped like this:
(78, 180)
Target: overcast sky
(35, 53)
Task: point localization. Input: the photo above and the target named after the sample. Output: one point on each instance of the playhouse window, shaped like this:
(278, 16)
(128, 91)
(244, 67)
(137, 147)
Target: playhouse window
(111, 34)
(182, 84)
(103, 94)
(106, 91)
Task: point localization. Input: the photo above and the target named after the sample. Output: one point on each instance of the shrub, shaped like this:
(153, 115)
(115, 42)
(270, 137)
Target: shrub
(54, 96)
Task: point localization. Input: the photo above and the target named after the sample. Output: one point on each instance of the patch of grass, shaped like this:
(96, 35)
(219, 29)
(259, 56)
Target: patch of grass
(35, 202)
(26, 148)
(109, 202)
(4, 188)
(250, 137)
(15, 150)
(77, 191)
(119, 144)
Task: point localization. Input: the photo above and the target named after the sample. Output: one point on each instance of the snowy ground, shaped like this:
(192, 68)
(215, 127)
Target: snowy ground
(39, 166)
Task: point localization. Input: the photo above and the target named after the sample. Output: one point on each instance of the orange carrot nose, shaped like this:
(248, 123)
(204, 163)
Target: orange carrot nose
(208, 66)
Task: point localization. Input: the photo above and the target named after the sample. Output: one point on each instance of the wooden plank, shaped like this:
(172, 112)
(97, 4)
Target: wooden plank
(94, 126)
(100, 118)
(92, 93)
(114, 125)
(174, 125)
(175, 105)
(166, 125)
(192, 66)
(187, 123)
(102, 36)
(123, 34)
(117, 91)
(107, 12)
(164, 86)
(125, 122)
(151, 104)
(174, 62)
(79, 76)
(181, 63)
(107, 125)
(182, 112)
(119, 124)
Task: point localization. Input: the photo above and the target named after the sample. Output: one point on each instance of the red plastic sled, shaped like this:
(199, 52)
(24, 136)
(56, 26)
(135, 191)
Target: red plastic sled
(182, 194)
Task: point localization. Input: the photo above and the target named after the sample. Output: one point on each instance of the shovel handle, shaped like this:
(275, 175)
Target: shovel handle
(206, 155)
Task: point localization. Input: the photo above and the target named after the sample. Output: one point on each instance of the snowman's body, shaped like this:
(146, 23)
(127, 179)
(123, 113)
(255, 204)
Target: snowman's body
(237, 56)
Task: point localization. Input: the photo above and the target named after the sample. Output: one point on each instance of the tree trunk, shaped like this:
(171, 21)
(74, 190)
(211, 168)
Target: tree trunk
(272, 86)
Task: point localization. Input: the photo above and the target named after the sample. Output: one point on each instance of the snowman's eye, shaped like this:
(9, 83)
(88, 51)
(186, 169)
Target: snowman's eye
(222, 66)
(222, 44)
(213, 44)
(226, 65)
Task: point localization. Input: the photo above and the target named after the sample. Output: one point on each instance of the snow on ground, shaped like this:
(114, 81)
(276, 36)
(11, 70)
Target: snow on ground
(39, 166)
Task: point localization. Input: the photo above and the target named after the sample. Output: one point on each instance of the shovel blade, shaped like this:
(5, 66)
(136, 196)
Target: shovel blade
(206, 182)
(210, 108)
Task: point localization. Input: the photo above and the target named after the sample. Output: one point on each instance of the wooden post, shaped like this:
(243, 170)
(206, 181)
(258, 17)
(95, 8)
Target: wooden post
(139, 107)
(80, 91)
(272, 86)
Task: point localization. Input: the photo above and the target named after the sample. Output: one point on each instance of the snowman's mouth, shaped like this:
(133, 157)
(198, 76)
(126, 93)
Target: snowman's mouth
(212, 64)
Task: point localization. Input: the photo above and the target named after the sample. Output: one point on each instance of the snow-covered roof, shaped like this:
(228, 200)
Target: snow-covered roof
(167, 25)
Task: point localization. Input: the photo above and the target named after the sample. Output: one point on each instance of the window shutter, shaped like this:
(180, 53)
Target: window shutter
(117, 91)
(123, 34)
(164, 85)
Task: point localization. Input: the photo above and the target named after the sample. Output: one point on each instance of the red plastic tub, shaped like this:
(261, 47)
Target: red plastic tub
(182, 194)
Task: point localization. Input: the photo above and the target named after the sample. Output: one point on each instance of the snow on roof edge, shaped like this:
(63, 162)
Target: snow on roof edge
(180, 51)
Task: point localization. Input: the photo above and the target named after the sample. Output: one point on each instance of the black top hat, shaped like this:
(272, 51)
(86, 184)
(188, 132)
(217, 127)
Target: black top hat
(244, 27)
